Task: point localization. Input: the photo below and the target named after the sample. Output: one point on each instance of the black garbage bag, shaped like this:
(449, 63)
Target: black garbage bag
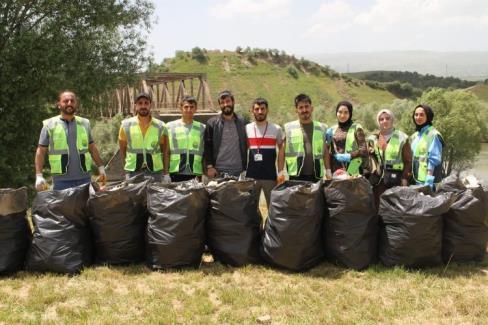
(61, 242)
(466, 223)
(176, 225)
(233, 222)
(411, 226)
(118, 215)
(15, 234)
(292, 234)
(351, 223)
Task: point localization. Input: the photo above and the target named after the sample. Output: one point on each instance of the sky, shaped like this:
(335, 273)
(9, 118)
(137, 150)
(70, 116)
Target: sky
(302, 27)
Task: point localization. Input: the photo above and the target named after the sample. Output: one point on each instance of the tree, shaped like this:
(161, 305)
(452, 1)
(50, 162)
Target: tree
(457, 118)
(198, 55)
(50, 45)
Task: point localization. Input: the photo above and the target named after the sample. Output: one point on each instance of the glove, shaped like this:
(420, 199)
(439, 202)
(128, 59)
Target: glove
(127, 176)
(41, 184)
(102, 178)
(281, 178)
(429, 180)
(343, 157)
(166, 179)
(328, 174)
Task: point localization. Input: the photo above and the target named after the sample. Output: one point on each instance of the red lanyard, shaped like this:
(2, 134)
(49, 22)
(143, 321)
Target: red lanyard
(262, 138)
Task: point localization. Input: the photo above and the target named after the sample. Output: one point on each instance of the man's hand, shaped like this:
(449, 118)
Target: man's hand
(212, 172)
(102, 177)
(281, 178)
(166, 179)
(41, 184)
(328, 174)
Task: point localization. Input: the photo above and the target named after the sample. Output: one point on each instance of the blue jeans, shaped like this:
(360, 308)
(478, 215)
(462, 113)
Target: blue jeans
(64, 184)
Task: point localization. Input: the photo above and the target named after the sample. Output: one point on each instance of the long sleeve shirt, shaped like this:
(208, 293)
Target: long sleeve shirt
(434, 158)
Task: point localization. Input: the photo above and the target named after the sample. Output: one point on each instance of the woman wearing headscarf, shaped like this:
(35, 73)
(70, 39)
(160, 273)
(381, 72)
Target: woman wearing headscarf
(392, 151)
(347, 142)
(426, 144)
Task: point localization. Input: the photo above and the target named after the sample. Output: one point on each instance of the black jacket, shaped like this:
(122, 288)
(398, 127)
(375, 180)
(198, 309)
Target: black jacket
(213, 138)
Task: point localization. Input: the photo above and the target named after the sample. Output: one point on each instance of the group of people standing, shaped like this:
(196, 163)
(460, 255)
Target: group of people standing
(183, 149)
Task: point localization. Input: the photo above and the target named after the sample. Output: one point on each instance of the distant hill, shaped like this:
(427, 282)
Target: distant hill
(466, 65)
(252, 73)
(416, 79)
(480, 90)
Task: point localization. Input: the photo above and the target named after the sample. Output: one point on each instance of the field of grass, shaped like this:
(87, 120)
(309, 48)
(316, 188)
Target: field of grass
(228, 70)
(327, 294)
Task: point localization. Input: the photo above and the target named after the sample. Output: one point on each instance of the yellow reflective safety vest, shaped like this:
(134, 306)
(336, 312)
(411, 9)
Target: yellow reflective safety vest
(143, 151)
(186, 148)
(392, 158)
(58, 144)
(421, 152)
(295, 148)
(351, 145)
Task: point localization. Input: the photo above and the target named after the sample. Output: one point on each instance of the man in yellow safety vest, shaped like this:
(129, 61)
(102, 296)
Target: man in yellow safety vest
(143, 142)
(306, 151)
(67, 140)
(186, 143)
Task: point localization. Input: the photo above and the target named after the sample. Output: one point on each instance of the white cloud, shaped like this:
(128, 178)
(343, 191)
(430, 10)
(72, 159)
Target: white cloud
(400, 17)
(331, 18)
(252, 9)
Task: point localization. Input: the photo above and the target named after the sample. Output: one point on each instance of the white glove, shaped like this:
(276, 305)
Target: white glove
(102, 177)
(41, 183)
(166, 179)
(328, 174)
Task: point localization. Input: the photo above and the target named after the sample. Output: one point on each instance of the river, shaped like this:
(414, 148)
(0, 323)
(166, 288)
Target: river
(480, 168)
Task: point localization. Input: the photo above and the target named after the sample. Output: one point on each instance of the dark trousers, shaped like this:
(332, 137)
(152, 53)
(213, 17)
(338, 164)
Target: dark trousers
(182, 177)
(308, 178)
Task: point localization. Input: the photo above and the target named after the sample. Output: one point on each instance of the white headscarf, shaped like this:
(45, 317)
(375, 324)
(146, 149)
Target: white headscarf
(392, 116)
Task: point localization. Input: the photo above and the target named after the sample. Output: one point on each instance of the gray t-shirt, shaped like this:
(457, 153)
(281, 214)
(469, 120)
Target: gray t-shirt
(74, 171)
(229, 158)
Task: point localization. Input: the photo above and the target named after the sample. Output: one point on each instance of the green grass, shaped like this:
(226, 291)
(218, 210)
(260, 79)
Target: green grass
(216, 294)
(228, 70)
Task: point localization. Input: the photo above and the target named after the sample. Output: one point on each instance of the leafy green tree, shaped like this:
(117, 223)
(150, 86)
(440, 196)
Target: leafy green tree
(198, 55)
(456, 116)
(50, 45)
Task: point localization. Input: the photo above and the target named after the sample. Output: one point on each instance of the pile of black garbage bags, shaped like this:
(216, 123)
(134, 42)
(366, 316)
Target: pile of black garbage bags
(170, 225)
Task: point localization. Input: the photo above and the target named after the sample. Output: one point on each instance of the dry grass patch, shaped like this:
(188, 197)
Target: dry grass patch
(217, 294)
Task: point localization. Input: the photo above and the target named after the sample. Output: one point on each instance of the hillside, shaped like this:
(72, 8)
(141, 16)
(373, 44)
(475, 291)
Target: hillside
(468, 65)
(417, 80)
(276, 77)
(480, 90)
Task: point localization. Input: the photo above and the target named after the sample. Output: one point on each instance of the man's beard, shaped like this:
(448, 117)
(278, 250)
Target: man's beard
(143, 112)
(227, 110)
(305, 116)
(260, 117)
(68, 110)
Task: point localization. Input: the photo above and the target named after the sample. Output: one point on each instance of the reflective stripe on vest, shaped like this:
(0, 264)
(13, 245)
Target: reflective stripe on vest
(295, 148)
(185, 147)
(58, 144)
(420, 148)
(144, 146)
(351, 145)
(392, 159)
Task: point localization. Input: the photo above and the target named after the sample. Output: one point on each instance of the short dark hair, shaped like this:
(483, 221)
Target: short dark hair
(225, 94)
(66, 91)
(188, 99)
(302, 98)
(260, 101)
